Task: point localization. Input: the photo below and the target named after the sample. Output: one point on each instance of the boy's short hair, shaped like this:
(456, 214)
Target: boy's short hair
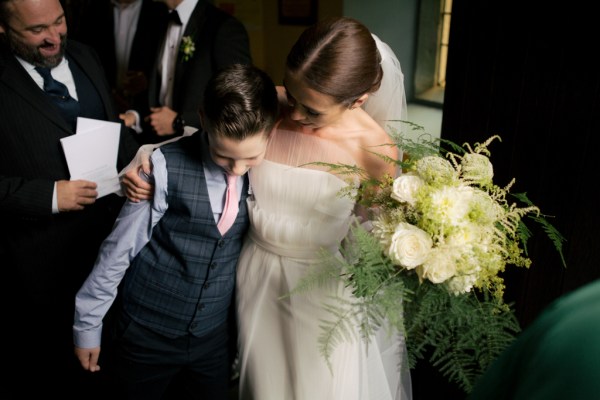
(240, 101)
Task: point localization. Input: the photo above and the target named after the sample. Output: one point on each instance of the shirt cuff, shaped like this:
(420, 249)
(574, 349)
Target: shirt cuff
(55, 200)
(137, 126)
(88, 339)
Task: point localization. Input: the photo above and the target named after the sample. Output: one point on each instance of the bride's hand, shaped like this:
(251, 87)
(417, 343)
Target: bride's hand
(135, 177)
(135, 187)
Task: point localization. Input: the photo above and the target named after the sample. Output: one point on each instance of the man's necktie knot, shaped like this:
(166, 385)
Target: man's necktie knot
(52, 86)
(58, 92)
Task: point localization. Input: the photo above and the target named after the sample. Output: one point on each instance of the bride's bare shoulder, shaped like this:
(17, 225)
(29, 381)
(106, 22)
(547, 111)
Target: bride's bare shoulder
(375, 141)
(371, 133)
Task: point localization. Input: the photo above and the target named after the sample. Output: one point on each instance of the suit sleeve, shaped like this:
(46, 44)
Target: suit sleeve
(30, 198)
(231, 44)
(128, 147)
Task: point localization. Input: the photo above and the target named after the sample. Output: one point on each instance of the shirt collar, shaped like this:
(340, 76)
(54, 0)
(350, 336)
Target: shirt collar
(31, 68)
(185, 9)
(125, 5)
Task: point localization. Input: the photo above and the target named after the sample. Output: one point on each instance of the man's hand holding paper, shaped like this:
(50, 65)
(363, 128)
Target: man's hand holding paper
(75, 195)
(92, 156)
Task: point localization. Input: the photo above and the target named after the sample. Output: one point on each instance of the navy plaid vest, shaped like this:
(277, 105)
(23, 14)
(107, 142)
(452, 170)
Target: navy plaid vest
(183, 281)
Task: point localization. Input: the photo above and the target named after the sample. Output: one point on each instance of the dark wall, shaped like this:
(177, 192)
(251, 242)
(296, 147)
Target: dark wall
(526, 71)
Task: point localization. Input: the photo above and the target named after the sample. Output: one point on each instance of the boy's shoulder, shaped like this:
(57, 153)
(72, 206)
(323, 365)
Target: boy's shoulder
(191, 147)
(196, 139)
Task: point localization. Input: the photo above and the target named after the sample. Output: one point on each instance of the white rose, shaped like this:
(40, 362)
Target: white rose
(439, 266)
(410, 246)
(406, 186)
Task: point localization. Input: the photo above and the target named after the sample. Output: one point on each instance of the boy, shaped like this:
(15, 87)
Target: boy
(174, 310)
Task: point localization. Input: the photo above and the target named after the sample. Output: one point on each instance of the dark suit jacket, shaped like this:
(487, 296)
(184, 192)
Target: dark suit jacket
(220, 40)
(45, 256)
(96, 28)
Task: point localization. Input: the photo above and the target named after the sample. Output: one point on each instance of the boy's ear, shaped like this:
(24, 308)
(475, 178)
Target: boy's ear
(360, 101)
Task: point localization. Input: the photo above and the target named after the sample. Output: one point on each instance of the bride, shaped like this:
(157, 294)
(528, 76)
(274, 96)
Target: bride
(343, 89)
(296, 210)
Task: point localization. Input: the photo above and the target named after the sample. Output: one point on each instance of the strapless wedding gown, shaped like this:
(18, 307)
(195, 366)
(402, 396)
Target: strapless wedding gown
(296, 212)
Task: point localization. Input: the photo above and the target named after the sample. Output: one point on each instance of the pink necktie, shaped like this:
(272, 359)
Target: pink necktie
(231, 205)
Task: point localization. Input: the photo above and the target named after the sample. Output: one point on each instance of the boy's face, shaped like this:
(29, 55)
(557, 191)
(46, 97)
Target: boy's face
(237, 157)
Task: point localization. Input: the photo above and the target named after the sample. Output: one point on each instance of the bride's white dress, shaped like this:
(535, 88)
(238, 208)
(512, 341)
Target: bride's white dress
(296, 210)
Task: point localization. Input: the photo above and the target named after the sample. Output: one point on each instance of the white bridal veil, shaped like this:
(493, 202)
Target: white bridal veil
(387, 105)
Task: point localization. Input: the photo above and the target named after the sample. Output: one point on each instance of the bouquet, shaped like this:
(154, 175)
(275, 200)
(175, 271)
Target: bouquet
(430, 266)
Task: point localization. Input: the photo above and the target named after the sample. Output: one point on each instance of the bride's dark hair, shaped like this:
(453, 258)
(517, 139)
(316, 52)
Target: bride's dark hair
(338, 57)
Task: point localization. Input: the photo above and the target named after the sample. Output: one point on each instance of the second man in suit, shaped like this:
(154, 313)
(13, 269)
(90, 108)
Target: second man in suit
(199, 40)
(126, 34)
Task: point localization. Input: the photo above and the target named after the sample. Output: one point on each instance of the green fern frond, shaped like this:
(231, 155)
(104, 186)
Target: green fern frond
(340, 169)
(460, 335)
(318, 275)
(524, 235)
(338, 329)
(553, 234)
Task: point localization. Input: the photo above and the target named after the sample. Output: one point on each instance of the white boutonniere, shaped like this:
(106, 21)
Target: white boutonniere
(187, 47)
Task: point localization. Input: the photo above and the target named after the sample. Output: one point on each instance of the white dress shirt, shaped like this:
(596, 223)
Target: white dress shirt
(125, 17)
(170, 51)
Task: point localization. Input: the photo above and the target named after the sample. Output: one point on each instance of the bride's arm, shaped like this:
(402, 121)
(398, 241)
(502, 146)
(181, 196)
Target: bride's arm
(132, 185)
(371, 158)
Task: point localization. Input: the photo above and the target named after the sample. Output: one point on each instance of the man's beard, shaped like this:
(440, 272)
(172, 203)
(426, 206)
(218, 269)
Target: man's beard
(32, 54)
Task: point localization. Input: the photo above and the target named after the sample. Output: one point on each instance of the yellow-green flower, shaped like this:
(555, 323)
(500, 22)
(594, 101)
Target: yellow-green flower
(187, 47)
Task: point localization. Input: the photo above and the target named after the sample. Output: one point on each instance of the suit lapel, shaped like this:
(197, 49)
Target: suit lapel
(155, 79)
(91, 67)
(14, 76)
(151, 27)
(193, 30)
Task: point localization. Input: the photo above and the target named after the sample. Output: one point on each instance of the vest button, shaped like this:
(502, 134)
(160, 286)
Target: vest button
(200, 307)
(221, 243)
(213, 265)
(206, 285)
